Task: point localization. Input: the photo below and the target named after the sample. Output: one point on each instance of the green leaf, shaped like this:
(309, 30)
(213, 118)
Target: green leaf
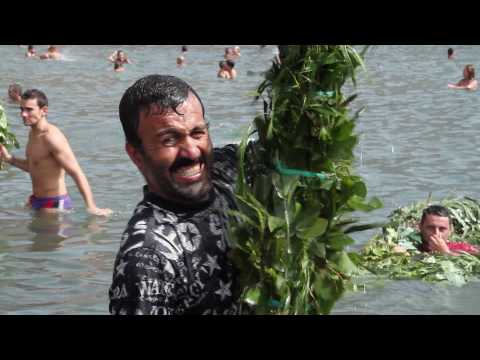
(274, 223)
(358, 203)
(359, 189)
(343, 263)
(318, 249)
(344, 131)
(338, 242)
(307, 217)
(314, 230)
(252, 296)
(363, 227)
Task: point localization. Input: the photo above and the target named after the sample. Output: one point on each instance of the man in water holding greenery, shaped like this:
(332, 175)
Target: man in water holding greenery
(435, 228)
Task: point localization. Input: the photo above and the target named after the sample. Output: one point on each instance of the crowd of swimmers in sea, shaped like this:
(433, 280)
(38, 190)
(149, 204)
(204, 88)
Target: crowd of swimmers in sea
(119, 59)
(226, 66)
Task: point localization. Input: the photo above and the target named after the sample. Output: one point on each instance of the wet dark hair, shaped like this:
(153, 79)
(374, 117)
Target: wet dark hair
(36, 94)
(166, 91)
(437, 210)
(30, 47)
(117, 64)
(450, 51)
(221, 64)
(184, 48)
(230, 63)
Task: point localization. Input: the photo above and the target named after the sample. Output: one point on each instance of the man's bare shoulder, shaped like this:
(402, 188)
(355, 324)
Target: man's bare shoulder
(53, 136)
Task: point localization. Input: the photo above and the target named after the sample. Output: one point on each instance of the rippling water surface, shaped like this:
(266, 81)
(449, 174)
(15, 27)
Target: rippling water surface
(417, 137)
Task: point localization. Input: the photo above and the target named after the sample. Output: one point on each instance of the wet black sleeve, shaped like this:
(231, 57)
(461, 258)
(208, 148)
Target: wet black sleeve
(142, 285)
(226, 163)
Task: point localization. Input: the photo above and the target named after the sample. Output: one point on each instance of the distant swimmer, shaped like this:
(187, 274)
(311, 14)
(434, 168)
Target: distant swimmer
(222, 72)
(181, 59)
(230, 69)
(31, 52)
(236, 51)
(119, 56)
(15, 93)
(52, 53)
(451, 54)
(468, 82)
(48, 157)
(118, 66)
(435, 229)
(229, 54)
(232, 53)
(227, 70)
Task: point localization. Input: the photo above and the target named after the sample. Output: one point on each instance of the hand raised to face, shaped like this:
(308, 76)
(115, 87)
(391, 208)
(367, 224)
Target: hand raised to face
(435, 243)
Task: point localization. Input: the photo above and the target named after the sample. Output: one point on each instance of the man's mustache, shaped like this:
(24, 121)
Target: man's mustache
(181, 162)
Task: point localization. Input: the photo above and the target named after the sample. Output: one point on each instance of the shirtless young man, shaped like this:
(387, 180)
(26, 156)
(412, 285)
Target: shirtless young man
(52, 53)
(48, 157)
(468, 82)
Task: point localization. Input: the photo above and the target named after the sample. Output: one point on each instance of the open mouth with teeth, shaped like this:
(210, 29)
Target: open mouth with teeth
(188, 174)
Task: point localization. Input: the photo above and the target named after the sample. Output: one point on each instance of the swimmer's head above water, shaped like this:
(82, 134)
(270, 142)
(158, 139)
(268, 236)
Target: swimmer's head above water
(469, 72)
(15, 92)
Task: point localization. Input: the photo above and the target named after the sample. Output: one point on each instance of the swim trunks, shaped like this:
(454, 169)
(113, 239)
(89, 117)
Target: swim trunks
(61, 202)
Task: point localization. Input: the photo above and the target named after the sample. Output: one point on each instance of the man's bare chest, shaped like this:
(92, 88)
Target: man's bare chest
(37, 150)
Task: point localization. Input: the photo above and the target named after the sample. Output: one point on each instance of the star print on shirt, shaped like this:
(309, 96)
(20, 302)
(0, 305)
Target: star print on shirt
(224, 290)
(121, 268)
(212, 264)
(169, 247)
(190, 236)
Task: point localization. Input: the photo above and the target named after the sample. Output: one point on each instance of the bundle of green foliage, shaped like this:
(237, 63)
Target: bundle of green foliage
(294, 221)
(7, 138)
(378, 257)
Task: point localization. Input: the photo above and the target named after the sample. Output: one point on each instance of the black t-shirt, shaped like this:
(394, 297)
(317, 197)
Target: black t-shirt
(173, 260)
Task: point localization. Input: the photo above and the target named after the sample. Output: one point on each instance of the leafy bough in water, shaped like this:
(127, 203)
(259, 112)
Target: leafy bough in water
(291, 231)
(378, 257)
(7, 138)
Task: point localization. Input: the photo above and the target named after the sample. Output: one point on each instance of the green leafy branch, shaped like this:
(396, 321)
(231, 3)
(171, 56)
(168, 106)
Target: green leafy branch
(7, 138)
(293, 221)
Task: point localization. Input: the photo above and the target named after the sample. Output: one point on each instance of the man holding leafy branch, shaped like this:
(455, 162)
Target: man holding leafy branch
(288, 243)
